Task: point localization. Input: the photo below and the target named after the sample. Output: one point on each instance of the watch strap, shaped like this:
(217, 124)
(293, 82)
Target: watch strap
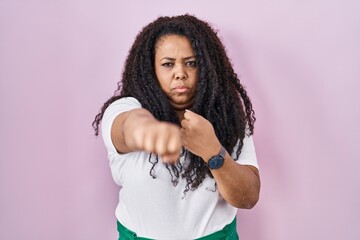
(222, 152)
(217, 161)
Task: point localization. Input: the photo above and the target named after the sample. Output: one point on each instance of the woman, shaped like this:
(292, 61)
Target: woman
(178, 134)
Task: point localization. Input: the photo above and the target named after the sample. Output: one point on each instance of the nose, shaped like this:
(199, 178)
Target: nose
(180, 73)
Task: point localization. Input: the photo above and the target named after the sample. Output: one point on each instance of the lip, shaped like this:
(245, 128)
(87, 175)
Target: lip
(181, 89)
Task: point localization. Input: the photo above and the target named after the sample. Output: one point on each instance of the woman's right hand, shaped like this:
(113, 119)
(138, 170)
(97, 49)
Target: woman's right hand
(138, 130)
(158, 137)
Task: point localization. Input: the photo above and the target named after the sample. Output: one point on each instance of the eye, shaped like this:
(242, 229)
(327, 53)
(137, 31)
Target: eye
(191, 64)
(168, 64)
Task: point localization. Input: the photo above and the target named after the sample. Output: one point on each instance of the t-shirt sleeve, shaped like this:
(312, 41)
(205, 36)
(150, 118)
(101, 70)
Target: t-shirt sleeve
(114, 109)
(116, 161)
(248, 154)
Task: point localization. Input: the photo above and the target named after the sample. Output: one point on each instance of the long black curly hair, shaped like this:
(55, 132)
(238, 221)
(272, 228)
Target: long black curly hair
(220, 97)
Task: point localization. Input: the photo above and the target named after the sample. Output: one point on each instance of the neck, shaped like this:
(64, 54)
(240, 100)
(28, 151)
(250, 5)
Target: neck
(180, 114)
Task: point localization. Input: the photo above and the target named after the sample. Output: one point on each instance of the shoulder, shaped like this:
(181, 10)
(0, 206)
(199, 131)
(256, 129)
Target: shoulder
(119, 106)
(125, 104)
(112, 111)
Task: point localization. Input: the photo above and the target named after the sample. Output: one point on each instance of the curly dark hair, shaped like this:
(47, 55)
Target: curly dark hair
(220, 97)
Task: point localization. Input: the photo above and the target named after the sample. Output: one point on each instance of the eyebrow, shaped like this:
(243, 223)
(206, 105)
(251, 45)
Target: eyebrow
(173, 59)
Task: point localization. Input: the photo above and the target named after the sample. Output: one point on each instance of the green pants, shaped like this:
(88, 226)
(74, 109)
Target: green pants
(227, 233)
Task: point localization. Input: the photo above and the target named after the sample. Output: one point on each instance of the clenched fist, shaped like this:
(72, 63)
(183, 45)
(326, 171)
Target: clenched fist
(161, 138)
(198, 136)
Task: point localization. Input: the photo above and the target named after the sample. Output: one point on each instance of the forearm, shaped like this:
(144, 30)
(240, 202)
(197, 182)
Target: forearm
(137, 124)
(127, 125)
(238, 184)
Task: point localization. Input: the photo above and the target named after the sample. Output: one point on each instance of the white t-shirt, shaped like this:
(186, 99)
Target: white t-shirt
(154, 208)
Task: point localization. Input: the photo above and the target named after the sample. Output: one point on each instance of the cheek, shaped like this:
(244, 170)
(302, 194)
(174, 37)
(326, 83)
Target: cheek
(160, 78)
(194, 79)
(164, 83)
(164, 75)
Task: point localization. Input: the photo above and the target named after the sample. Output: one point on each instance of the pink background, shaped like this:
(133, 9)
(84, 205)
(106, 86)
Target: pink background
(60, 60)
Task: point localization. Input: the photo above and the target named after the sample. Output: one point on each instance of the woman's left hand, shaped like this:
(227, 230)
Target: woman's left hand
(198, 136)
(238, 184)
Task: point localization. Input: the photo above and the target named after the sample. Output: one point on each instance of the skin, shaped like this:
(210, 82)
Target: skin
(137, 130)
(175, 68)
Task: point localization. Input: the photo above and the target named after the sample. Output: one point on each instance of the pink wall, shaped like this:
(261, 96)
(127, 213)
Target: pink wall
(59, 60)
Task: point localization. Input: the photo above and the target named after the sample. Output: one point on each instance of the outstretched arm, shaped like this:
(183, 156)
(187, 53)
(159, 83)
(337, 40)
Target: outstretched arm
(138, 130)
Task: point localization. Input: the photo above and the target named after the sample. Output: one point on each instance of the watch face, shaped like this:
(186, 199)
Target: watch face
(216, 162)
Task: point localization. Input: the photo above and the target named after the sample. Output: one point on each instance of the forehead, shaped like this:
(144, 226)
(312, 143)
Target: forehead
(173, 43)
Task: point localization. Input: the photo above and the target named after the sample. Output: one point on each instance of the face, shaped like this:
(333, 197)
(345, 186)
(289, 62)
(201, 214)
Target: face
(176, 71)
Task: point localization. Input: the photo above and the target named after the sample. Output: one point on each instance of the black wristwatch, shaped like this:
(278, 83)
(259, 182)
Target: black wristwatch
(217, 161)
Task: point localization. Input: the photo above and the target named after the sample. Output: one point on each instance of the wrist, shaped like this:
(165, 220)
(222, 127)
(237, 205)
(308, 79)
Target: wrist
(213, 151)
(217, 161)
